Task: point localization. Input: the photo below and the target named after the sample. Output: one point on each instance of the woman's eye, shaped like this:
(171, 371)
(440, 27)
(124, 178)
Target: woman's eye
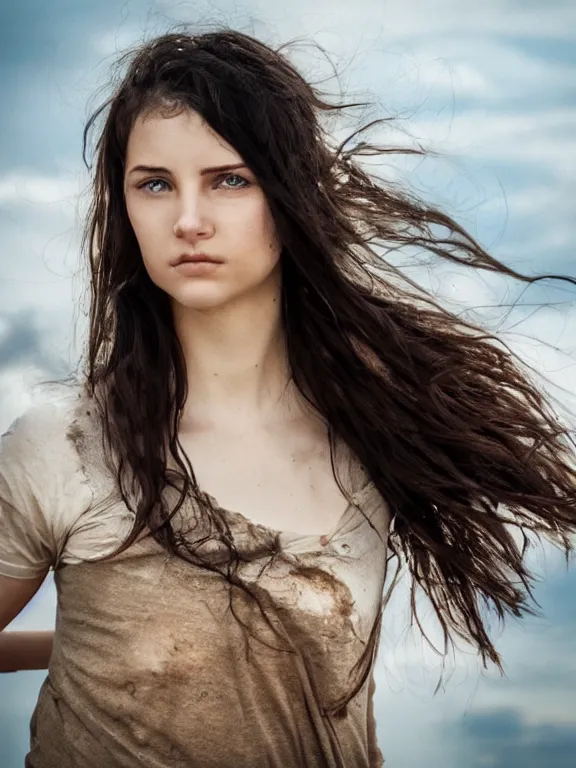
(234, 181)
(228, 176)
(147, 184)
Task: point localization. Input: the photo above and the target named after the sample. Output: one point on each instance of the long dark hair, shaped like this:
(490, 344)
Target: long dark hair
(453, 433)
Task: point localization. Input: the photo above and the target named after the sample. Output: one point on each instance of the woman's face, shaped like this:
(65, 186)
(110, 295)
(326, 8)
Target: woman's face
(185, 206)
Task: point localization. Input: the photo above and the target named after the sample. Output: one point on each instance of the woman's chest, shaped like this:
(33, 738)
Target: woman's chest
(149, 625)
(284, 482)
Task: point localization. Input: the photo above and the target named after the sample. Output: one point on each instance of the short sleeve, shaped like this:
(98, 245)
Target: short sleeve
(29, 485)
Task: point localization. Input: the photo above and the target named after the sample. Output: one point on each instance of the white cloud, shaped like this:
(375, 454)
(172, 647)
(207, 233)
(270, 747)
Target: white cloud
(539, 141)
(29, 188)
(39, 246)
(488, 69)
(544, 201)
(4, 328)
(420, 19)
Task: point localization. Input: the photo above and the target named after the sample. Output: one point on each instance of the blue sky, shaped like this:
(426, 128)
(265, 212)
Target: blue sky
(490, 84)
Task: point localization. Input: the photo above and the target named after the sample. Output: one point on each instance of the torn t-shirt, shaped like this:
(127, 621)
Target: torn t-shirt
(151, 665)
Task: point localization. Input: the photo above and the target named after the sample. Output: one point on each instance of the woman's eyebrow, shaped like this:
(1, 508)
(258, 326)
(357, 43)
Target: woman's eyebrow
(203, 172)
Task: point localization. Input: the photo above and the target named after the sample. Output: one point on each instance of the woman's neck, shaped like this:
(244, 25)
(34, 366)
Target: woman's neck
(237, 365)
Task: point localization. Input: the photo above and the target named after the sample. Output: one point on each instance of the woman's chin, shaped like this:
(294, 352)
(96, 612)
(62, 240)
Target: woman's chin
(201, 298)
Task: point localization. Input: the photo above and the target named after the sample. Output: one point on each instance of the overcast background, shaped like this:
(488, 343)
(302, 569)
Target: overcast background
(491, 84)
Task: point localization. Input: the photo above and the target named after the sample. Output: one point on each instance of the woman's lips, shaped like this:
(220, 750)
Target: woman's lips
(191, 258)
(198, 267)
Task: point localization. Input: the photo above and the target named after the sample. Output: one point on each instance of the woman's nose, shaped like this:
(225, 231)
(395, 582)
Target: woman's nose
(191, 220)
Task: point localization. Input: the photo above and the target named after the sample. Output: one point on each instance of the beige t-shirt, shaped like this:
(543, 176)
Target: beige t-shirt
(150, 668)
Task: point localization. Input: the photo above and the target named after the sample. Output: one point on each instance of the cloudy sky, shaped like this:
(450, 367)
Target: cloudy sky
(491, 85)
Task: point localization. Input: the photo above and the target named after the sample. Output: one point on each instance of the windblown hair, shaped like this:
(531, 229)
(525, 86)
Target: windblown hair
(452, 432)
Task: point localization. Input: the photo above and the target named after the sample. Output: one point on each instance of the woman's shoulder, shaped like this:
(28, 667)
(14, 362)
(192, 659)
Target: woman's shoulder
(41, 451)
(44, 424)
(43, 488)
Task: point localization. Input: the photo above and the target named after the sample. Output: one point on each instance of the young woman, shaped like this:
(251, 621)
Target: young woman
(265, 416)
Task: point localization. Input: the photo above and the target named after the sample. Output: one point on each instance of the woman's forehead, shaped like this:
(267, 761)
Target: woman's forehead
(159, 140)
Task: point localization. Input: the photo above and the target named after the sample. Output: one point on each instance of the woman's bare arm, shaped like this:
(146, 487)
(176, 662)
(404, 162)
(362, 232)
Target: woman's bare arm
(25, 650)
(21, 650)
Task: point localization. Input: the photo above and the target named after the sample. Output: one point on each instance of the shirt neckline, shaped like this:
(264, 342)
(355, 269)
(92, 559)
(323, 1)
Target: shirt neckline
(356, 500)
